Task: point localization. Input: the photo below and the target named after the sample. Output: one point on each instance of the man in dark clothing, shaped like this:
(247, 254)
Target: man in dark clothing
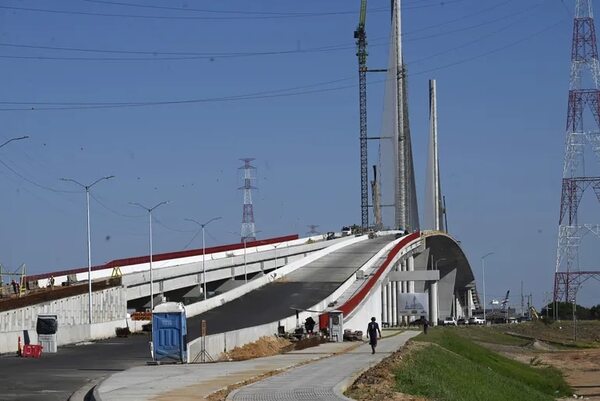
(372, 331)
(309, 325)
(14, 286)
(425, 325)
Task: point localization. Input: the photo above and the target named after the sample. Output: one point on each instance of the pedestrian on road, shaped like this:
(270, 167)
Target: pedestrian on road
(372, 331)
(425, 325)
(309, 325)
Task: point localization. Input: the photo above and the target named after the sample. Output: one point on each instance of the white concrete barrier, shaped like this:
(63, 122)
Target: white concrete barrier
(109, 308)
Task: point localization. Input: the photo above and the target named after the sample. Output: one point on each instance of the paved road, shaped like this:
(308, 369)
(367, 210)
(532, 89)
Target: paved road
(301, 289)
(324, 380)
(54, 377)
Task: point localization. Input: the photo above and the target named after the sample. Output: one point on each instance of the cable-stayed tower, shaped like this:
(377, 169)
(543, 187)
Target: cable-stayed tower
(248, 229)
(434, 209)
(584, 94)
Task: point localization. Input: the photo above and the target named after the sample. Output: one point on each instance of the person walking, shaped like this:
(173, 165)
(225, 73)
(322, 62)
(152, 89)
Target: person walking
(425, 325)
(372, 332)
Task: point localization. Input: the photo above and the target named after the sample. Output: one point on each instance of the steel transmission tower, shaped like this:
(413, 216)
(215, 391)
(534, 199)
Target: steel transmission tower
(248, 229)
(583, 94)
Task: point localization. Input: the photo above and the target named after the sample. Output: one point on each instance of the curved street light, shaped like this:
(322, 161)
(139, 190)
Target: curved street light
(89, 239)
(14, 139)
(202, 225)
(150, 210)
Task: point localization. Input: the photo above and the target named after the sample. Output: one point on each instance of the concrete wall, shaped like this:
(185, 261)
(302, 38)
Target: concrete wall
(156, 266)
(219, 267)
(109, 308)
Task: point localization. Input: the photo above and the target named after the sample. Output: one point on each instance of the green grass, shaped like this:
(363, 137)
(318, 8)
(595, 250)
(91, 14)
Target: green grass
(461, 370)
(485, 335)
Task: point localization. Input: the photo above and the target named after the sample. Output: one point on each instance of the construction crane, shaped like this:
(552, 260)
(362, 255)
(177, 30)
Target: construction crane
(361, 52)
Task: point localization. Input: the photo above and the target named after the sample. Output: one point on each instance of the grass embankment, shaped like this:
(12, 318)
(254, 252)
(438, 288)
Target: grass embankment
(455, 368)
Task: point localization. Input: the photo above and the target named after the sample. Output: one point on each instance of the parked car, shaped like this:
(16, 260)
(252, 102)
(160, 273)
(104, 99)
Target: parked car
(476, 320)
(449, 321)
(461, 321)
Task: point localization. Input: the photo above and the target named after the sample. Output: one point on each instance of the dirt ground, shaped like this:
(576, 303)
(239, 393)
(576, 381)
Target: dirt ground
(377, 383)
(264, 346)
(581, 367)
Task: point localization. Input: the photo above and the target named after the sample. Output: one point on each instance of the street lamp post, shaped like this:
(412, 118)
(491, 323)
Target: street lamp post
(483, 281)
(13, 139)
(150, 210)
(89, 239)
(275, 247)
(202, 225)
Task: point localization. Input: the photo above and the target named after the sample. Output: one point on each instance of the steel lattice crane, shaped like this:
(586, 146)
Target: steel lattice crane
(361, 51)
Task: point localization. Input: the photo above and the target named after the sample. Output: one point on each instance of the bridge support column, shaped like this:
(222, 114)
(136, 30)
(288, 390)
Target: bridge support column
(388, 294)
(401, 290)
(384, 304)
(433, 303)
(410, 265)
(469, 302)
(394, 320)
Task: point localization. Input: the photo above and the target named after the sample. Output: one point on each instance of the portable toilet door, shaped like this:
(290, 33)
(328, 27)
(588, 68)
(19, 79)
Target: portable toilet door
(169, 332)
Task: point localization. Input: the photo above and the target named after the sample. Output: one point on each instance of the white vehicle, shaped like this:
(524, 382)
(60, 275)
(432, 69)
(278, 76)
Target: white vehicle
(449, 321)
(346, 231)
(476, 320)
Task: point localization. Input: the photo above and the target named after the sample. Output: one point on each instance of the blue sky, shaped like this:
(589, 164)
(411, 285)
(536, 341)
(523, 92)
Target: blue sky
(502, 69)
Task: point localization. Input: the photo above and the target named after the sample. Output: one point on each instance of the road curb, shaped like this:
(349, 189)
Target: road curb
(87, 391)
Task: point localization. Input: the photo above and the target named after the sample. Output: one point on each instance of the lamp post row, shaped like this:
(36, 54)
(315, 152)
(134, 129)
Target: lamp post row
(87, 189)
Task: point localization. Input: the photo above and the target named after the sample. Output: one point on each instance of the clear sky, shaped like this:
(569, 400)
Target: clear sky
(274, 80)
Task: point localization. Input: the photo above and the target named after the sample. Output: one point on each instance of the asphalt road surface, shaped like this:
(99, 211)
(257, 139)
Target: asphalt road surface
(54, 377)
(301, 289)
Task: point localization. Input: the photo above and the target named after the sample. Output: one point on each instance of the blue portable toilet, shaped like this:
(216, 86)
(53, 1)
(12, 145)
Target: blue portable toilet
(169, 332)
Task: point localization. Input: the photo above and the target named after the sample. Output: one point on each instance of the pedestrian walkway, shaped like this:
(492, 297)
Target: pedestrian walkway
(323, 380)
(194, 382)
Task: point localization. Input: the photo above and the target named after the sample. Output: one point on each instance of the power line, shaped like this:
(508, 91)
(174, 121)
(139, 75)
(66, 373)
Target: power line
(496, 50)
(103, 205)
(237, 12)
(249, 96)
(478, 25)
(32, 182)
(173, 17)
(288, 92)
(204, 55)
(469, 43)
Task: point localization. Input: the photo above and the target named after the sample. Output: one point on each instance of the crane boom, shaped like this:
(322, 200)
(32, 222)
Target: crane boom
(361, 52)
